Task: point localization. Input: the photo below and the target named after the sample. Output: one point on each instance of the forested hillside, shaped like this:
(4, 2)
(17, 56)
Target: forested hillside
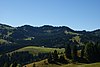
(59, 45)
(12, 38)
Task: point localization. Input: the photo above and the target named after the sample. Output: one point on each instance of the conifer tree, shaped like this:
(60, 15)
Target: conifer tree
(62, 59)
(50, 58)
(74, 52)
(55, 55)
(90, 52)
(82, 51)
(68, 51)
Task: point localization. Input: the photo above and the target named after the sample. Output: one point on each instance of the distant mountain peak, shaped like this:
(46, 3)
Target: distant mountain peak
(26, 26)
(47, 26)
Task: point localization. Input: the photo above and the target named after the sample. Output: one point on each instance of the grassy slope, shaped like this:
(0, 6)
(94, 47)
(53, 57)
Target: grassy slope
(82, 65)
(42, 64)
(35, 50)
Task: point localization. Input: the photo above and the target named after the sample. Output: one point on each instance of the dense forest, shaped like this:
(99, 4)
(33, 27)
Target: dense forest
(47, 36)
(80, 46)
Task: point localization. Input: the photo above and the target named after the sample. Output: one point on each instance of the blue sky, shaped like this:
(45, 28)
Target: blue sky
(76, 14)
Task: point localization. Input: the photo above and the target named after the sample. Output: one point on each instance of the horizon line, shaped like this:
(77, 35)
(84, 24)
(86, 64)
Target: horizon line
(48, 25)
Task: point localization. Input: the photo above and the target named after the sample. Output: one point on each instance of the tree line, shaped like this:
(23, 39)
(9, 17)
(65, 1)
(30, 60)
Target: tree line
(18, 59)
(88, 53)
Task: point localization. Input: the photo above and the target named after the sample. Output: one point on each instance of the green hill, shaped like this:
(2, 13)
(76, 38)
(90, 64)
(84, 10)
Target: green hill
(36, 50)
(22, 41)
(13, 38)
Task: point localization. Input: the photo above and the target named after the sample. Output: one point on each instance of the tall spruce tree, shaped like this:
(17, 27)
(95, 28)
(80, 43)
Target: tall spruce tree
(50, 58)
(97, 51)
(55, 55)
(90, 52)
(68, 51)
(74, 52)
(62, 59)
(82, 51)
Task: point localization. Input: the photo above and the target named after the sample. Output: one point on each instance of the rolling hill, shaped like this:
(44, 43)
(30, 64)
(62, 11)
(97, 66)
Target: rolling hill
(13, 38)
(27, 44)
(35, 50)
(42, 64)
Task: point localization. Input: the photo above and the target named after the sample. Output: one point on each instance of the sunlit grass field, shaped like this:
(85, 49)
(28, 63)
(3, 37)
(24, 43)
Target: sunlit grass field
(36, 50)
(42, 64)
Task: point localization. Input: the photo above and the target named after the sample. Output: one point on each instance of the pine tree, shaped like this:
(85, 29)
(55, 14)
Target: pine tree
(68, 51)
(74, 52)
(98, 48)
(50, 58)
(55, 55)
(62, 59)
(82, 51)
(90, 52)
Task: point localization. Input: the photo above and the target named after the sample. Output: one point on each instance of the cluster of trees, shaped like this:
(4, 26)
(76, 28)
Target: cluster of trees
(56, 37)
(92, 52)
(89, 53)
(71, 52)
(17, 59)
(55, 58)
(40, 56)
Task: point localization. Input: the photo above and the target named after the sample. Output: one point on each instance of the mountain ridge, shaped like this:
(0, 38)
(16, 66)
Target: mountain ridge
(47, 36)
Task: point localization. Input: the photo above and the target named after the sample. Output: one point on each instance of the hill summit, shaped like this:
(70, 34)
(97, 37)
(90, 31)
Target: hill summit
(47, 36)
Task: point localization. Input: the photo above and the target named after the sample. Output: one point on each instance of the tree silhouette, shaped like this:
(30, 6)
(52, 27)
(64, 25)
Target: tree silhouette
(90, 52)
(55, 55)
(50, 58)
(82, 51)
(68, 51)
(74, 52)
(62, 59)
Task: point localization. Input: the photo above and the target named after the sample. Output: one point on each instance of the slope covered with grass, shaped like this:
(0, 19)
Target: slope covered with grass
(42, 64)
(36, 50)
(82, 65)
